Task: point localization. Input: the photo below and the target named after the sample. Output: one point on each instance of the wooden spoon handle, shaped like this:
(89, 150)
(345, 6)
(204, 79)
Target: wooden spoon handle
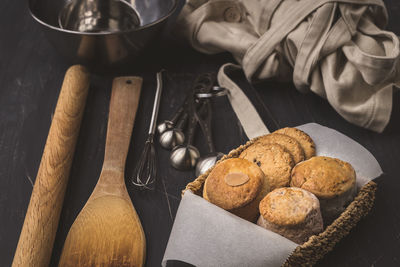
(123, 106)
(38, 232)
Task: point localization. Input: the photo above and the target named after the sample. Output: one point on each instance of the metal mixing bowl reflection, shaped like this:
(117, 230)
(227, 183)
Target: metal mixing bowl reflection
(103, 50)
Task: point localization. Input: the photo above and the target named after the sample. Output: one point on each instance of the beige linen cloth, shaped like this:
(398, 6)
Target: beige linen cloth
(335, 48)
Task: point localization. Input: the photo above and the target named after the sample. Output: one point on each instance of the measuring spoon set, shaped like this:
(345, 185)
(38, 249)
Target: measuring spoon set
(195, 110)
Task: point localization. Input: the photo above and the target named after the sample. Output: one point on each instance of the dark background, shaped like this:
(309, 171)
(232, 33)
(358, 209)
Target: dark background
(31, 74)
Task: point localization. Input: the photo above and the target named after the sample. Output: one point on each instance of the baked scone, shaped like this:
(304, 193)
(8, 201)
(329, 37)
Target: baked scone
(304, 140)
(274, 161)
(331, 180)
(236, 185)
(289, 143)
(291, 212)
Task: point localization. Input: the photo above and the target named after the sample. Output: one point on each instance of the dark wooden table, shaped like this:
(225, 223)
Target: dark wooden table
(31, 73)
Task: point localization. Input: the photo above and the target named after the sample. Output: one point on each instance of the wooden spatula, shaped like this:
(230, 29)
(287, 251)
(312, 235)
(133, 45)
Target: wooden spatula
(107, 231)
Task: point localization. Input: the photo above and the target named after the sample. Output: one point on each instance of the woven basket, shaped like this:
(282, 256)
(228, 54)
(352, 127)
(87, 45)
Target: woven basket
(316, 246)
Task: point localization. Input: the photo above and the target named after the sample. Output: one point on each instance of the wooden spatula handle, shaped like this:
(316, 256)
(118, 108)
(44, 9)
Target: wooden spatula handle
(123, 105)
(38, 232)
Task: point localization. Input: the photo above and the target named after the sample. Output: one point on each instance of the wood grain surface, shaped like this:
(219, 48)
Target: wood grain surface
(41, 221)
(108, 232)
(31, 73)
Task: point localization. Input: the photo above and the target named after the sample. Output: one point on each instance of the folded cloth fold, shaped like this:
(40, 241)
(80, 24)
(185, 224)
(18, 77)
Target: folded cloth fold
(337, 49)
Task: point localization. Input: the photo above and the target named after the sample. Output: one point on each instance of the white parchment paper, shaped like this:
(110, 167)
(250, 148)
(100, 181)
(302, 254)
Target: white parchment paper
(206, 235)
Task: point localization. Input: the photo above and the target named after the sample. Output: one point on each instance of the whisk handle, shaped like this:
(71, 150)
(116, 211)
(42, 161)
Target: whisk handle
(156, 104)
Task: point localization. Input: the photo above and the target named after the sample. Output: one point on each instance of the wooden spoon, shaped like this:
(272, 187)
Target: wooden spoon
(107, 231)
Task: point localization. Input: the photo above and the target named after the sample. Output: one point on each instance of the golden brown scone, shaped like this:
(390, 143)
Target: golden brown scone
(289, 143)
(274, 161)
(238, 186)
(291, 212)
(332, 180)
(304, 140)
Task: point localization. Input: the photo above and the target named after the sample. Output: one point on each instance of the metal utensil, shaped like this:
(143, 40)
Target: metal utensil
(145, 172)
(175, 136)
(103, 51)
(184, 157)
(170, 124)
(171, 135)
(204, 163)
(98, 16)
(216, 91)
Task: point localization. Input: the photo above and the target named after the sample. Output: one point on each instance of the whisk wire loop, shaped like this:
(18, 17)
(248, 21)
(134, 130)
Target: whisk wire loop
(145, 172)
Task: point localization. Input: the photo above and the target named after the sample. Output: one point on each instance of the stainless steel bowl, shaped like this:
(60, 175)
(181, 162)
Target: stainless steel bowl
(103, 50)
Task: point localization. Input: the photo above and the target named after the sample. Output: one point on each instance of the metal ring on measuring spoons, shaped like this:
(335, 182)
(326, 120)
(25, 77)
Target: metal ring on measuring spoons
(216, 92)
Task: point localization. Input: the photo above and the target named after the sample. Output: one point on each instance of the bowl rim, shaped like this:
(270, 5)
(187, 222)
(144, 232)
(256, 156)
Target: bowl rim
(172, 10)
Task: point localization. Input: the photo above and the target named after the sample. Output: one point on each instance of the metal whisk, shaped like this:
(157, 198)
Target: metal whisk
(145, 172)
